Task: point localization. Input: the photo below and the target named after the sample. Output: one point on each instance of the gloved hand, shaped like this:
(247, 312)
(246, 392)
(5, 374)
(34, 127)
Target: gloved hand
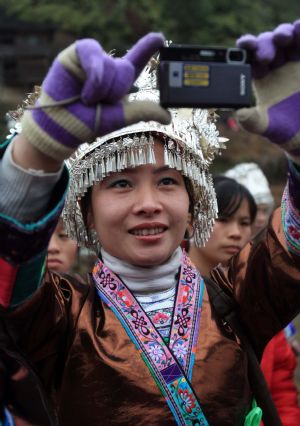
(276, 72)
(87, 88)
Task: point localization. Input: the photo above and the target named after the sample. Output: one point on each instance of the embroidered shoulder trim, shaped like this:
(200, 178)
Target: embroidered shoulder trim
(291, 223)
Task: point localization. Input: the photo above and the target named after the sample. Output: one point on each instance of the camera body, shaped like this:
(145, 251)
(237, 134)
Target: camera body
(201, 76)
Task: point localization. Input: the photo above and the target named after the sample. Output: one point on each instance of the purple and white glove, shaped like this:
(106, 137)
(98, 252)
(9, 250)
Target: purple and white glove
(87, 88)
(276, 72)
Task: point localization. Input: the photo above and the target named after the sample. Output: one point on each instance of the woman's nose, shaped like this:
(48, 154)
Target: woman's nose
(53, 246)
(147, 201)
(261, 218)
(234, 231)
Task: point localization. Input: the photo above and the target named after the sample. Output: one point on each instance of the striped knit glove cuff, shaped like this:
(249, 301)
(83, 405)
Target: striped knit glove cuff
(81, 97)
(276, 72)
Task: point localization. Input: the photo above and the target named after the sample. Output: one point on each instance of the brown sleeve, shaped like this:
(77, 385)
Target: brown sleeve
(265, 281)
(42, 328)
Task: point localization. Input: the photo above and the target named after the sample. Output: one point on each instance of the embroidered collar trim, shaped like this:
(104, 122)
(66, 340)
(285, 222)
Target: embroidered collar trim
(170, 364)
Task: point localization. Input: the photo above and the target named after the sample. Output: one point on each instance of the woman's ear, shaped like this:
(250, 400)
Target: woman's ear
(90, 219)
(86, 210)
(190, 223)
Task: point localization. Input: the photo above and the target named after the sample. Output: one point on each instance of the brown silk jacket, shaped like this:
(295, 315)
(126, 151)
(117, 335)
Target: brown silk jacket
(92, 374)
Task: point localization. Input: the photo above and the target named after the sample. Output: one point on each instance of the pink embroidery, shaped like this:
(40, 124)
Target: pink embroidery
(124, 297)
(180, 350)
(188, 400)
(184, 332)
(120, 296)
(294, 232)
(163, 362)
(160, 318)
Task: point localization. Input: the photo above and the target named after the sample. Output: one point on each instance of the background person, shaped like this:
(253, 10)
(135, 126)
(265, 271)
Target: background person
(252, 177)
(18, 386)
(232, 231)
(62, 250)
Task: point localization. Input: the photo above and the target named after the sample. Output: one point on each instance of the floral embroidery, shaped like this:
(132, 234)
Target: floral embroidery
(185, 327)
(190, 274)
(168, 367)
(187, 399)
(125, 299)
(185, 294)
(180, 351)
(156, 352)
(160, 318)
(294, 232)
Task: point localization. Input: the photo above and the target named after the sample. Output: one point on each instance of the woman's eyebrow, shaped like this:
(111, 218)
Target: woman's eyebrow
(161, 169)
(134, 170)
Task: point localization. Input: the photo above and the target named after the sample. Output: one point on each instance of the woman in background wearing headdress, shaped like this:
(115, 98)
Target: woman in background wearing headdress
(252, 177)
(233, 229)
(131, 195)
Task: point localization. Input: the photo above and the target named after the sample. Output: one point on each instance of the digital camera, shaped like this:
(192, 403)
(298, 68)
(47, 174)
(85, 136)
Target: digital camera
(201, 76)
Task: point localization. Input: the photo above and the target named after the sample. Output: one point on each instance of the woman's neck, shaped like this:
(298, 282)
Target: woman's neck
(202, 262)
(145, 280)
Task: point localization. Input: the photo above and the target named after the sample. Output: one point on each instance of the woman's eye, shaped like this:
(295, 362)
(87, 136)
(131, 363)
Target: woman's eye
(63, 236)
(246, 223)
(222, 219)
(122, 183)
(167, 181)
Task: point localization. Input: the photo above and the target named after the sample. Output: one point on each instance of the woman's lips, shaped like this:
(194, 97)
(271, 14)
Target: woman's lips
(149, 232)
(53, 263)
(149, 238)
(232, 249)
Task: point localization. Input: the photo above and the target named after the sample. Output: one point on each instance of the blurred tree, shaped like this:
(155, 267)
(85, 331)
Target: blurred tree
(121, 22)
(114, 22)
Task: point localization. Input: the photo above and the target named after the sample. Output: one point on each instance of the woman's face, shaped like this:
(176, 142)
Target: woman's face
(262, 218)
(62, 251)
(140, 214)
(229, 236)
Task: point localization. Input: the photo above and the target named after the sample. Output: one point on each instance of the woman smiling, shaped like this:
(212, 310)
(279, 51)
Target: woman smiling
(141, 344)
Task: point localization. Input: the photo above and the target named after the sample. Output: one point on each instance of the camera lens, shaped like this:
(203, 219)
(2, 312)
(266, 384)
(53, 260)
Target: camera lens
(236, 55)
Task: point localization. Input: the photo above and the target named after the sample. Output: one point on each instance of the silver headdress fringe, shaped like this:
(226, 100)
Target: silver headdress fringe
(190, 143)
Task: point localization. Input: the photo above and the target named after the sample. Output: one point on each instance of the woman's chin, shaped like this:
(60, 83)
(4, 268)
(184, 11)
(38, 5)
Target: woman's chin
(151, 259)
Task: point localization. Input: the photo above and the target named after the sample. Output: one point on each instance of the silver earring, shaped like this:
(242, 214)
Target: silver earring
(93, 240)
(187, 235)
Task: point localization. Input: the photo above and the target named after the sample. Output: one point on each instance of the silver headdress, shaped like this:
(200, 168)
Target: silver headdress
(190, 143)
(252, 177)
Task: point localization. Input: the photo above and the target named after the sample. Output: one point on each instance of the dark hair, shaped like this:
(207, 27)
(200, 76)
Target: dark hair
(85, 205)
(230, 195)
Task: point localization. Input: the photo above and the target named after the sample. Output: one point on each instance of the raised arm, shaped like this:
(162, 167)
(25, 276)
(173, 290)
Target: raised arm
(83, 96)
(276, 72)
(266, 276)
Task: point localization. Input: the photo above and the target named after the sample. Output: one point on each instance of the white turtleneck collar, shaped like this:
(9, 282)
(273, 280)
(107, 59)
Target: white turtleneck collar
(145, 280)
